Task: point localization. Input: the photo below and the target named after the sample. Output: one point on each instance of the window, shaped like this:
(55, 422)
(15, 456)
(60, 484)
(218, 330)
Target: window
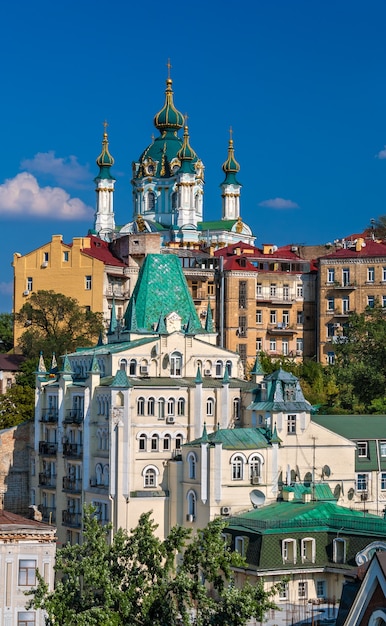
(370, 274)
(242, 326)
(192, 500)
(345, 304)
(132, 367)
(26, 618)
(242, 350)
(382, 448)
(370, 302)
(174, 199)
(181, 406)
(179, 440)
(167, 443)
(154, 443)
(259, 289)
(161, 409)
(286, 292)
(87, 282)
(330, 330)
(259, 344)
(176, 364)
(345, 276)
(236, 409)
(259, 316)
(285, 347)
(308, 550)
(27, 572)
(210, 289)
(219, 368)
(330, 358)
(320, 588)
(242, 294)
(171, 406)
(299, 345)
(291, 424)
(363, 450)
(272, 290)
(384, 301)
(29, 283)
(302, 590)
(240, 545)
(228, 365)
(288, 550)
(362, 480)
(254, 467)
(192, 465)
(150, 200)
(45, 257)
(273, 317)
(299, 291)
(339, 550)
(285, 318)
(150, 477)
(283, 591)
(141, 406)
(299, 317)
(272, 345)
(65, 256)
(151, 406)
(237, 468)
(331, 275)
(383, 481)
(210, 406)
(142, 443)
(330, 303)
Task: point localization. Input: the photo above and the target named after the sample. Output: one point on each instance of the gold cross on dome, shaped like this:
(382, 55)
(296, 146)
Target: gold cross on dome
(230, 132)
(186, 117)
(169, 66)
(105, 125)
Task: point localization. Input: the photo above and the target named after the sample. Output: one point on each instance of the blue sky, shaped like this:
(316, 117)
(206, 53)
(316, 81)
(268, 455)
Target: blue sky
(301, 83)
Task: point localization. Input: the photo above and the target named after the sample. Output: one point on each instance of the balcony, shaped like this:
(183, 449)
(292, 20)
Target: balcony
(280, 329)
(72, 449)
(117, 294)
(48, 514)
(71, 484)
(346, 285)
(46, 479)
(69, 518)
(49, 416)
(48, 449)
(74, 416)
(97, 485)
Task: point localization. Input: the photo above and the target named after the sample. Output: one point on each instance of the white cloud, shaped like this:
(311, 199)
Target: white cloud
(65, 171)
(279, 203)
(6, 289)
(382, 153)
(23, 197)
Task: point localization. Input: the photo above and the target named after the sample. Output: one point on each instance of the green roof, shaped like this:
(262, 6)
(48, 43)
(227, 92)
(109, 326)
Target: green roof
(237, 438)
(217, 225)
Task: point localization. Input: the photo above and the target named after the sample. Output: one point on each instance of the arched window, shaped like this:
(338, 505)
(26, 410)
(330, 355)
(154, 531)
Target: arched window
(339, 548)
(237, 467)
(171, 405)
(123, 365)
(150, 474)
(167, 443)
(192, 505)
(181, 406)
(141, 406)
(151, 406)
(236, 409)
(150, 200)
(142, 443)
(255, 468)
(106, 475)
(197, 201)
(229, 368)
(161, 409)
(210, 406)
(179, 441)
(219, 368)
(154, 443)
(176, 364)
(192, 463)
(119, 399)
(98, 474)
(133, 367)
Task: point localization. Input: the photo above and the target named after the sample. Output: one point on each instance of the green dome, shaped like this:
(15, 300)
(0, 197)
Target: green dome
(168, 118)
(231, 167)
(160, 159)
(105, 160)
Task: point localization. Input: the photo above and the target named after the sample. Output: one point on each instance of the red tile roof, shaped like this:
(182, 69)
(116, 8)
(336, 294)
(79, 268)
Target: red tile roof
(369, 249)
(8, 520)
(100, 250)
(244, 249)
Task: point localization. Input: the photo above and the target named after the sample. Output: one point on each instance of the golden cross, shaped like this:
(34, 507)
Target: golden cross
(168, 65)
(230, 132)
(186, 117)
(105, 124)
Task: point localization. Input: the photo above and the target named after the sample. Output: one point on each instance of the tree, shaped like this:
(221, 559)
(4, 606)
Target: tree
(378, 227)
(17, 405)
(56, 323)
(6, 332)
(134, 579)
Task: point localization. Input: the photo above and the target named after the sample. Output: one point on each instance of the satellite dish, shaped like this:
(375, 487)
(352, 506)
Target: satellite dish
(337, 491)
(326, 471)
(350, 493)
(257, 498)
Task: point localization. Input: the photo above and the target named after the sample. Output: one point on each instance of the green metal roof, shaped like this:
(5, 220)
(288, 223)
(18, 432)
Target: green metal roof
(236, 438)
(216, 225)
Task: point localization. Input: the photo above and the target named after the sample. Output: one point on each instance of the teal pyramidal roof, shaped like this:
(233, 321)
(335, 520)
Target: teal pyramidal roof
(161, 289)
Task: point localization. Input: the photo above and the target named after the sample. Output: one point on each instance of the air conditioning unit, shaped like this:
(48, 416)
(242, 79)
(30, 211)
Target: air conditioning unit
(170, 419)
(44, 264)
(207, 373)
(226, 510)
(26, 292)
(190, 518)
(144, 370)
(255, 480)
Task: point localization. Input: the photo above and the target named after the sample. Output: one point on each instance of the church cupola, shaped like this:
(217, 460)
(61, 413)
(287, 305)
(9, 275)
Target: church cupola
(104, 216)
(187, 155)
(230, 187)
(168, 118)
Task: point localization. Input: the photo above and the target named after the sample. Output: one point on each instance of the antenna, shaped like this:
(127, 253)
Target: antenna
(257, 498)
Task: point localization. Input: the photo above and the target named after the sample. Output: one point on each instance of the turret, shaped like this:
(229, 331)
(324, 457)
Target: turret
(230, 187)
(104, 216)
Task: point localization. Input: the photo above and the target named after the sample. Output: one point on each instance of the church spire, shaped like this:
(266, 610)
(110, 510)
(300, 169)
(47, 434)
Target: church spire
(104, 216)
(168, 118)
(230, 187)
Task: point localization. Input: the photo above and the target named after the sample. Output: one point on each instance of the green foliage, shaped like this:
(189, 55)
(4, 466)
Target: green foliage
(26, 374)
(134, 579)
(6, 332)
(17, 405)
(56, 323)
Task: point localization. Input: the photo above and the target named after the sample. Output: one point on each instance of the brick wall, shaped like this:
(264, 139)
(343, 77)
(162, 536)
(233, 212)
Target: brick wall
(15, 445)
